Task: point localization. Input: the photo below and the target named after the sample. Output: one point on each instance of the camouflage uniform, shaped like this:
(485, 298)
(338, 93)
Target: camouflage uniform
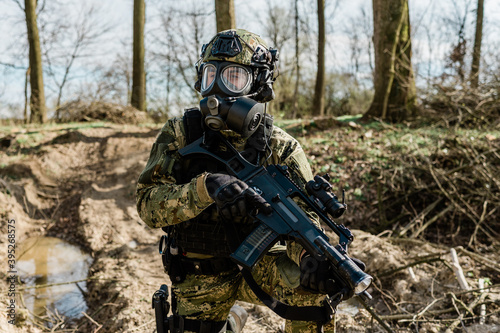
(172, 192)
(162, 202)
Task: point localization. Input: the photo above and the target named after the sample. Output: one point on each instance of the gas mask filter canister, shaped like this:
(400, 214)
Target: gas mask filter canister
(241, 115)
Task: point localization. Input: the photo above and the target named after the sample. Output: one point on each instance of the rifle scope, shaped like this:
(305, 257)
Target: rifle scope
(320, 188)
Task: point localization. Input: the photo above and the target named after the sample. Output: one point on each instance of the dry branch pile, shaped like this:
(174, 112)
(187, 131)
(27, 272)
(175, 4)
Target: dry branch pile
(79, 111)
(465, 107)
(451, 196)
(422, 191)
(436, 184)
(417, 287)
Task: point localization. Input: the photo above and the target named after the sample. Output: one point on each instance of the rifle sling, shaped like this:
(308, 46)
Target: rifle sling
(319, 314)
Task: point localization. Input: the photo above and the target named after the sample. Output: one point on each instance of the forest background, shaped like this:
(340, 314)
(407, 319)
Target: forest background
(398, 100)
(86, 51)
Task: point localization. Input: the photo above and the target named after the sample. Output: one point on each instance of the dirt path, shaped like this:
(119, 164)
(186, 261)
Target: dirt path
(79, 185)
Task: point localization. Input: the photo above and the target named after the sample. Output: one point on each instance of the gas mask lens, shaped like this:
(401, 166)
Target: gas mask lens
(235, 78)
(208, 77)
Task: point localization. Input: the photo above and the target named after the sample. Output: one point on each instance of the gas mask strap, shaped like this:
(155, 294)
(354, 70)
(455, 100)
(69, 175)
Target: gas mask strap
(268, 129)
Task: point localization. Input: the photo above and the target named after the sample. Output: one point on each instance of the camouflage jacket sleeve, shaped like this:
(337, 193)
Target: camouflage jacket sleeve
(160, 201)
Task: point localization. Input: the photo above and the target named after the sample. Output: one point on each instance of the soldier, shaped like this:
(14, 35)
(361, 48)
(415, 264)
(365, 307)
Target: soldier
(236, 72)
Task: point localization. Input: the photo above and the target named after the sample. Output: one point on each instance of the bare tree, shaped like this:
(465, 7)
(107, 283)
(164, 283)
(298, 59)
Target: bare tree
(110, 83)
(37, 99)
(319, 89)
(25, 110)
(175, 47)
(360, 32)
(277, 25)
(67, 40)
(81, 34)
(295, 109)
(394, 83)
(138, 74)
(476, 54)
(458, 20)
(224, 15)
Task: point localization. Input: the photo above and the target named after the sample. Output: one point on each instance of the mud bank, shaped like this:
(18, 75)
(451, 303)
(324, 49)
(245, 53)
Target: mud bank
(78, 184)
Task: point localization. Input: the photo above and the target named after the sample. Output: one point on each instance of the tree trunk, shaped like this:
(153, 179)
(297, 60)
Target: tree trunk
(138, 99)
(224, 15)
(295, 108)
(394, 82)
(476, 55)
(37, 99)
(25, 111)
(319, 89)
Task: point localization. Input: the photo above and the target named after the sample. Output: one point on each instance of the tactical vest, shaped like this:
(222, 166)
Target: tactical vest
(206, 233)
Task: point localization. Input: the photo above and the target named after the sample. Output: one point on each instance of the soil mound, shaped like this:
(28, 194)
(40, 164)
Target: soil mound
(79, 111)
(78, 184)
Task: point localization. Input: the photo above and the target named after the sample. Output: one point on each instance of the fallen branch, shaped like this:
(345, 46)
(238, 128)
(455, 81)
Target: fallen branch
(446, 320)
(38, 286)
(482, 309)
(99, 326)
(470, 307)
(419, 217)
(485, 261)
(108, 302)
(375, 315)
(432, 220)
(415, 263)
(458, 270)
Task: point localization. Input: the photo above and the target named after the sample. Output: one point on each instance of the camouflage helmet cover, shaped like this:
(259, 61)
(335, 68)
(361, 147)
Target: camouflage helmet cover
(238, 46)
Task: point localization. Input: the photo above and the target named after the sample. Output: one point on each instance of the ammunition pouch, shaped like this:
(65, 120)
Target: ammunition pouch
(178, 266)
(212, 266)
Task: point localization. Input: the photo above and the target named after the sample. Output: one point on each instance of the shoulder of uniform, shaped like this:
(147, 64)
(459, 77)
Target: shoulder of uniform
(173, 131)
(283, 144)
(173, 127)
(280, 135)
(172, 123)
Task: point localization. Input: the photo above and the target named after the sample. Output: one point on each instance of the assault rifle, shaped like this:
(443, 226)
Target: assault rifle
(288, 220)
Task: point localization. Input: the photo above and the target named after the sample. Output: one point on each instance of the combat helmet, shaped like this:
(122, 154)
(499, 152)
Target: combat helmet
(237, 63)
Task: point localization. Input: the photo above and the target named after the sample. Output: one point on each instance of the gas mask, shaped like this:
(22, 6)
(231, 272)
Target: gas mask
(236, 71)
(225, 106)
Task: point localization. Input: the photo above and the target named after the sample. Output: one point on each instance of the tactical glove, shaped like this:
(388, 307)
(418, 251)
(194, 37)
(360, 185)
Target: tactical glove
(233, 197)
(317, 277)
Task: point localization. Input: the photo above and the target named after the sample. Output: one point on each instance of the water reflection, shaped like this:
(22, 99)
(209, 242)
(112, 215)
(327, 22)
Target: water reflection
(49, 261)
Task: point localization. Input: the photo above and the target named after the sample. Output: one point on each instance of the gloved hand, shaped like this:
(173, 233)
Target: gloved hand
(233, 197)
(317, 277)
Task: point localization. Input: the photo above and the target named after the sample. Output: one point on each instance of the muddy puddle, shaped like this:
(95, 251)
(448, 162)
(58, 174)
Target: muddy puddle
(49, 267)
